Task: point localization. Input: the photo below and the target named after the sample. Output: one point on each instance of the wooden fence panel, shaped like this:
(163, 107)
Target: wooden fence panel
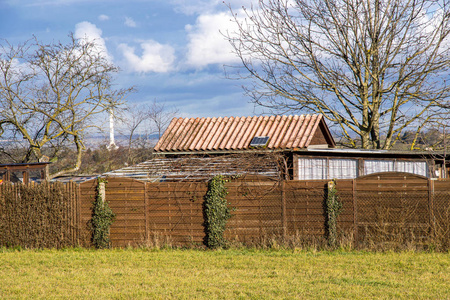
(257, 210)
(346, 218)
(392, 205)
(87, 192)
(305, 207)
(175, 212)
(126, 198)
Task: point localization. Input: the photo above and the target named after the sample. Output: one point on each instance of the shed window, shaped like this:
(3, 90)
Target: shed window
(322, 168)
(414, 167)
(347, 168)
(343, 168)
(312, 168)
(376, 166)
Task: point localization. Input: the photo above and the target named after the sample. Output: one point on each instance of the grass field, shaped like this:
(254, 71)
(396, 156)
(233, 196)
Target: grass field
(222, 274)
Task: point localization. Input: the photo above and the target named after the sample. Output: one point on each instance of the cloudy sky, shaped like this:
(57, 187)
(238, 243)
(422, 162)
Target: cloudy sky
(170, 50)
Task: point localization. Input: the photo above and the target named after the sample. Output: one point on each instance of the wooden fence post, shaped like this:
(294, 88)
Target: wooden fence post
(146, 214)
(79, 223)
(355, 213)
(102, 191)
(283, 207)
(431, 205)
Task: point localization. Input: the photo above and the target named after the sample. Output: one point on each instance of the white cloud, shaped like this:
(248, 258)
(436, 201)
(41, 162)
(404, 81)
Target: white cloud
(103, 18)
(39, 2)
(129, 22)
(195, 6)
(155, 57)
(192, 7)
(92, 33)
(206, 44)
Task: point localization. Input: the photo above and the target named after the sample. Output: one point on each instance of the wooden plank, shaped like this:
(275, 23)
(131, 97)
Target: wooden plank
(180, 189)
(409, 190)
(160, 228)
(174, 207)
(128, 222)
(187, 220)
(140, 217)
(126, 232)
(128, 237)
(394, 180)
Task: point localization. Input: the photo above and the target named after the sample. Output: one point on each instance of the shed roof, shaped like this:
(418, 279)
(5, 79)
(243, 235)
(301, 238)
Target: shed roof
(203, 168)
(236, 133)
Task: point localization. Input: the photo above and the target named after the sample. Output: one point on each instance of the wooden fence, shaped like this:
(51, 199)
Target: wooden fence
(172, 212)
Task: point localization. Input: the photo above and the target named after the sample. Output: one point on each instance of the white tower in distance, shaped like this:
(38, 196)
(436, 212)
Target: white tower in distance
(112, 145)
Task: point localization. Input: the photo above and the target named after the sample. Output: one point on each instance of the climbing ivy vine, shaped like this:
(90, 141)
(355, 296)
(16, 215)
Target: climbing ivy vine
(334, 207)
(216, 212)
(102, 218)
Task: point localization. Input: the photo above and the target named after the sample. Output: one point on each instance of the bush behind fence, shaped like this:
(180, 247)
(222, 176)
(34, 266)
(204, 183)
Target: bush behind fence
(38, 215)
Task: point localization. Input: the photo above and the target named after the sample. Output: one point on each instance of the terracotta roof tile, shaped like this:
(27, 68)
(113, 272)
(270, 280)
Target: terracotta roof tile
(236, 133)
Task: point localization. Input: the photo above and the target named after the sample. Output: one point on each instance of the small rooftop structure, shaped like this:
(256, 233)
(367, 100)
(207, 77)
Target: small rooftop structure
(237, 133)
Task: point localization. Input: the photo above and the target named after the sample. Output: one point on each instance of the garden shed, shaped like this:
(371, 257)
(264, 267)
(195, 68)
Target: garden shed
(294, 147)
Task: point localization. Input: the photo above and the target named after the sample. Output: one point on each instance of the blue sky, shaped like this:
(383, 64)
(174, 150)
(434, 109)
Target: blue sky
(171, 50)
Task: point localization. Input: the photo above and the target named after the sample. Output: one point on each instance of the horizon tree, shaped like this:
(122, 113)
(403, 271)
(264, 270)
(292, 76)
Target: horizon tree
(375, 68)
(51, 94)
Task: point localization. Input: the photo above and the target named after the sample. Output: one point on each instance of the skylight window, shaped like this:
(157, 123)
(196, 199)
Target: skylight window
(259, 141)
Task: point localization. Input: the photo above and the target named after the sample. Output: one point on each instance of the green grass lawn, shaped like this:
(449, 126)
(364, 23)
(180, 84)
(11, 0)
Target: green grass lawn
(223, 274)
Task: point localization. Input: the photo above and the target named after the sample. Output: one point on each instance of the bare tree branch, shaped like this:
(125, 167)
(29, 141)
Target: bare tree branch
(375, 67)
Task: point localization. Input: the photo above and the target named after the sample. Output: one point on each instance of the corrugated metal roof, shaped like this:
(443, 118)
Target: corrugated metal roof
(236, 133)
(191, 168)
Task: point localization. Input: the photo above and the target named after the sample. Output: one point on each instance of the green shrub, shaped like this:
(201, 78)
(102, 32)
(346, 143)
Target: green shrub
(216, 212)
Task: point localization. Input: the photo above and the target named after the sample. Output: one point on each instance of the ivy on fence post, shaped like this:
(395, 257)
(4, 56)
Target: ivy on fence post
(334, 207)
(102, 217)
(216, 212)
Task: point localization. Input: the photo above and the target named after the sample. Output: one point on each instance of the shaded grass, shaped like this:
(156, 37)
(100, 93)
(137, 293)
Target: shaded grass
(222, 274)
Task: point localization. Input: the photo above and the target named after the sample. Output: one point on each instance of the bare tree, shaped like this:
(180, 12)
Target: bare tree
(146, 119)
(51, 94)
(154, 117)
(375, 67)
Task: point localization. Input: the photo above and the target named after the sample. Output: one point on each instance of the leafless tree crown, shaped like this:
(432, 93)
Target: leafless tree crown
(50, 94)
(374, 67)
